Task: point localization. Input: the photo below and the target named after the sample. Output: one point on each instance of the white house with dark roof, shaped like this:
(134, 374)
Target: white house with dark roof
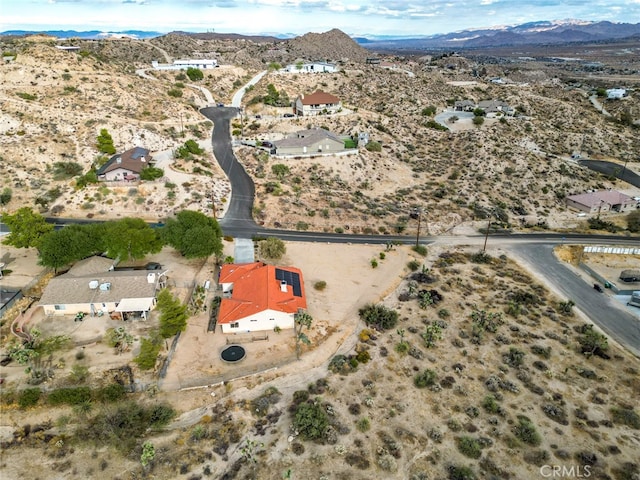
(93, 288)
(199, 63)
(602, 201)
(125, 166)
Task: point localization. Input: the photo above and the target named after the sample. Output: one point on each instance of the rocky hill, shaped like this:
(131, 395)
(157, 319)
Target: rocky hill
(332, 45)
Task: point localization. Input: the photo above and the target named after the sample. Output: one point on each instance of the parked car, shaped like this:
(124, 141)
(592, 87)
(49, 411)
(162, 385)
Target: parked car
(597, 288)
(258, 116)
(267, 144)
(221, 104)
(288, 115)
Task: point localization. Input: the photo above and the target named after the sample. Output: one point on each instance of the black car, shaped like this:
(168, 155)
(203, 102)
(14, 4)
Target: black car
(267, 144)
(288, 115)
(597, 288)
(258, 116)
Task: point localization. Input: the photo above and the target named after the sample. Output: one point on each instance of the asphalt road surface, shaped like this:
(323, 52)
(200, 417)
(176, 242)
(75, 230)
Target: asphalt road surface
(613, 170)
(602, 310)
(240, 211)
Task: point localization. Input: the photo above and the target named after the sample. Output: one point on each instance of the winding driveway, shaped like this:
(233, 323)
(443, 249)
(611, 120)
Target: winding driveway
(613, 170)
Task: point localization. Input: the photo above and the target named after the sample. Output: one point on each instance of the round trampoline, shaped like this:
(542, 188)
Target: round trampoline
(233, 353)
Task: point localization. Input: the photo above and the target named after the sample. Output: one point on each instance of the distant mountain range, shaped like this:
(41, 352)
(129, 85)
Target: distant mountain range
(86, 35)
(533, 33)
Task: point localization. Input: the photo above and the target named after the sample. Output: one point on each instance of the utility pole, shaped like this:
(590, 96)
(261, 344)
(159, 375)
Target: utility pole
(624, 169)
(181, 128)
(486, 235)
(418, 232)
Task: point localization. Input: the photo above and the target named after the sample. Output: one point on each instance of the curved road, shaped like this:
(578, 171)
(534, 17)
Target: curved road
(612, 169)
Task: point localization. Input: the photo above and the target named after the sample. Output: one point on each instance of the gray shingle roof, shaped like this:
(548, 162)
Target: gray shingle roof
(306, 137)
(74, 289)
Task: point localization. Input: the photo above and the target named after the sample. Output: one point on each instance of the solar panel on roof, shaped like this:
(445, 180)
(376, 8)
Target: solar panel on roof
(292, 279)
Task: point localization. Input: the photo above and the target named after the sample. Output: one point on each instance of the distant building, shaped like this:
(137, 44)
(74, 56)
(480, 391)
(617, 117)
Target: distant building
(616, 93)
(312, 67)
(125, 166)
(317, 103)
(199, 63)
(602, 201)
(259, 297)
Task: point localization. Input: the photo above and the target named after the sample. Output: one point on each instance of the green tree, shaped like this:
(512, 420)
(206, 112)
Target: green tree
(272, 248)
(272, 97)
(280, 170)
(151, 173)
(379, 316)
(105, 142)
(274, 66)
(173, 314)
(592, 342)
(149, 350)
(5, 196)
(194, 74)
(193, 234)
(477, 121)
(131, 238)
(27, 228)
(310, 420)
(70, 244)
(633, 221)
(302, 321)
(119, 339)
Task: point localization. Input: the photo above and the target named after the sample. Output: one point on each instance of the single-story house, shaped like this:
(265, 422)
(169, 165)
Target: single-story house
(92, 287)
(125, 166)
(602, 201)
(308, 142)
(616, 93)
(493, 106)
(317, 103)
(311, 67)
(259, 297)
(464, 105)
(200, 63)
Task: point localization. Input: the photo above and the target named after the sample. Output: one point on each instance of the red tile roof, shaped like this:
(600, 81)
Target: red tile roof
(319, 98)
(256, 289)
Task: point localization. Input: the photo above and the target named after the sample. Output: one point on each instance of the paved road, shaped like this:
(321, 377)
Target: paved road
(239, 214)
(612, 169)
(600, 308)
(237, 97)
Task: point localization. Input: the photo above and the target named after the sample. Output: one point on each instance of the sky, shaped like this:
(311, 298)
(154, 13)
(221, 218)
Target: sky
(354, 17)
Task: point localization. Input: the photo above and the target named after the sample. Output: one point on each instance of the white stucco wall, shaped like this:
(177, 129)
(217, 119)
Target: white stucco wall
(266, 320)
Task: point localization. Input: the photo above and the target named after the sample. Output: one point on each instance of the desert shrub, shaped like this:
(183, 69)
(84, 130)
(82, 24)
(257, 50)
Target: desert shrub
(379, 316)
(151, 173)
(320, 285)
(481, 257)
(373, 146)
(425, 379)
(363, 424)
(420, 250)
(633, 221)
(29, 397)
(413, 265)
(363, 356)
(260, 406)
(175, 92)
(387, 463)
(514, 358)
(490, 404)
(69, 396)
(592, 342)
(194, 74)
(469, 447)
(110, 393)
(310, 420)
(626, 416)
(526, 431)
(458, 472)
(340, 364)
(544, 352)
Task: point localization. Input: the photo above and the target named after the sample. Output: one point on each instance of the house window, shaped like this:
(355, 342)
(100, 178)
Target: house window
(235, 325)
(254, 319)
(60, 307)
(272, 319)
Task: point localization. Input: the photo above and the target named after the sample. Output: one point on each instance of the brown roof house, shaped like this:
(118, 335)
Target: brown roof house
(318, 103)
(92, 287)
(125, 166)
(310, 142)
(602, 201)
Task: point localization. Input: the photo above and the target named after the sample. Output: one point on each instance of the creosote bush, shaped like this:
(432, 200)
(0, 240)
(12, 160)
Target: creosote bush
(425, 379)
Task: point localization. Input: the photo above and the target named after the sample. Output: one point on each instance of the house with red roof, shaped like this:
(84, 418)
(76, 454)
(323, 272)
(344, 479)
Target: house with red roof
(318, 103)
(259, 297)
